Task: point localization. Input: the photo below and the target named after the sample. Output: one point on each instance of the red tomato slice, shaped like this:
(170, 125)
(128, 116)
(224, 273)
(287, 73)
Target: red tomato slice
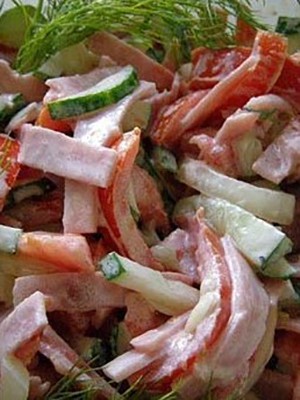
(272, 51)
(120, 224)
(211, 66)
(9, 165)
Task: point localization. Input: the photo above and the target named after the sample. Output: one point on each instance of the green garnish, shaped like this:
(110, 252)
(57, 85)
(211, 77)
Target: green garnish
(58, 24)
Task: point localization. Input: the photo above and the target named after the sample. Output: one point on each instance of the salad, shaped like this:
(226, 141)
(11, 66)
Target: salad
(149, 187)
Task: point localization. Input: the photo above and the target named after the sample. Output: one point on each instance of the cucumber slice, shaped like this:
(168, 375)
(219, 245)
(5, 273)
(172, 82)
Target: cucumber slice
(168, 297)
(271, 205)
(260, 242)
(14, 378)
(36, 188)
(289, 297)
(247, 150)
(279, 269)
(10, 104)
(137, 116)
(9, 239)
(290, 27)
(72, 60)
(13, 25)
(108, 91)
(164, 159)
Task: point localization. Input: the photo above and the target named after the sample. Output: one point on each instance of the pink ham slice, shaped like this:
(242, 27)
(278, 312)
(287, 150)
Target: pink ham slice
(70, 253)
(80, 208)
(24, 323)
(66, 361)
(11, 82)
(61, 155)
(281, 158)
(71, 291)
(80, 205)
(121, 52)
(218, 151)
(247, 324)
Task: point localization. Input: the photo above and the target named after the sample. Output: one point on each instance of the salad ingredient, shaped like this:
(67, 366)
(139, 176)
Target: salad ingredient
(118, 221)
(25, 330)
(106, 92)
(290, 27)
(30, 189)
(254, 199)
(167, 296)
(280, 159)
(242, 226)
(10, 104)
(122, 53)
(15, 379)
(71, 292)
(18, 18)
(9, 238)
(28, 85)
(9, 150)
(64, 156)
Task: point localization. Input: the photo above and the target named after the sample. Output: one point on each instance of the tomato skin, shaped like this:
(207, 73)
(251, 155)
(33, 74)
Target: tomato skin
(121, 229)
(255, 76)
(165, 129)
(211, 66)
(44, 119)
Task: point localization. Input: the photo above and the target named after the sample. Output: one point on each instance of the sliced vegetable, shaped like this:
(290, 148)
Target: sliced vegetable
(260, 242)
(9, 239)
(14, 379)
(106, 92)
(72, 60)
(31, 189)
(13, 25)
(290, 27)
(10, 104)
(138, 115)
(164, 159)
(44, 119)
(279, 269)
(167, 296)
(271, 205)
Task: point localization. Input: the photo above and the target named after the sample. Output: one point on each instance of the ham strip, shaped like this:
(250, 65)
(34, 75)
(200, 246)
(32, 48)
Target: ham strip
(66, 361)
(72, 292)
(121, 52)
(80, 208)
(67, 157)
(247, 323)
(11, 82)
(100, 130)
(281, 159)
(24, 323)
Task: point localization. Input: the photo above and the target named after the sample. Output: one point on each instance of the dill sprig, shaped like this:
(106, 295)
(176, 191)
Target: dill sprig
(58, 24)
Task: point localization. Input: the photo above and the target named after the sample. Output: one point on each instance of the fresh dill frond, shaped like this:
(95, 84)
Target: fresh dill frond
(58, 24)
